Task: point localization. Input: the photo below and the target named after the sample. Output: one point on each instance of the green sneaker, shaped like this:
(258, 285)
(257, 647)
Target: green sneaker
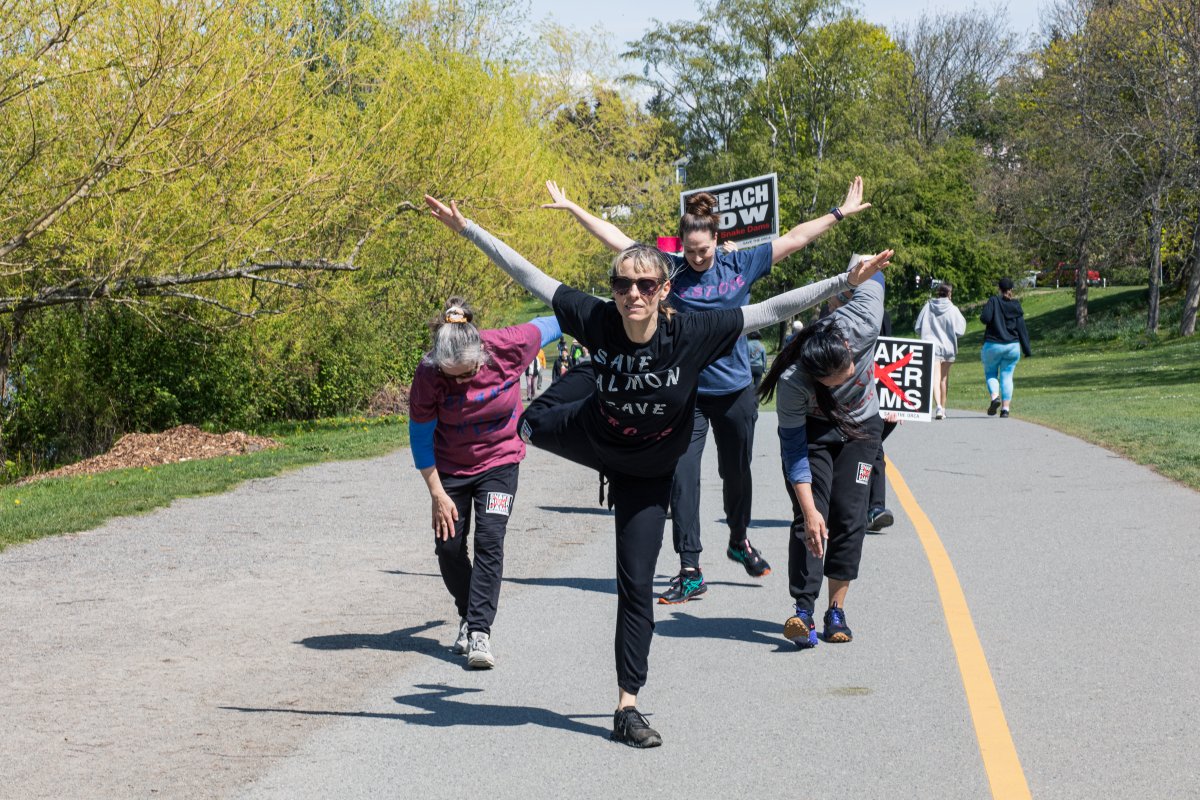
(749, 557)
(684, 587)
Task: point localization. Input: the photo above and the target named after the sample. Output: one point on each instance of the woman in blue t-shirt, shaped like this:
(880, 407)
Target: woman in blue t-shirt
(705, 277)
(628, 412)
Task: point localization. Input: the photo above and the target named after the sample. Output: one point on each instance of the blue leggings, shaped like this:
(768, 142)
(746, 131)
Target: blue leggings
(999, 361)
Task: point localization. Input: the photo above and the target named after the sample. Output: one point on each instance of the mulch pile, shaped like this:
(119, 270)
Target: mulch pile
(185, 443)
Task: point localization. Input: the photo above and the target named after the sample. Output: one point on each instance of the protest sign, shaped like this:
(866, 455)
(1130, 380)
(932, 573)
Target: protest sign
(748, 209)
(904, 378)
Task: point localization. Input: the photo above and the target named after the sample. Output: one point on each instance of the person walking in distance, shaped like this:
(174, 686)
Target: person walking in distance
(705, 278)
(628, 412)
(829, 432)
(463, 407)
(940, 322)
(758, 357)
(1004, 340)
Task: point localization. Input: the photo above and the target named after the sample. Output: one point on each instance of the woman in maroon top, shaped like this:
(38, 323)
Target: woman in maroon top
(463, 409)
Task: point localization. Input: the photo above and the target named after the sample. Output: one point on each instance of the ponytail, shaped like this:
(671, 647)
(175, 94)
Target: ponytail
(456, 340)
(818, 350)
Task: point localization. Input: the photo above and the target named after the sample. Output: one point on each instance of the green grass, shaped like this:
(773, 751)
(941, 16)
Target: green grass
(1110, 384)
(65, 505)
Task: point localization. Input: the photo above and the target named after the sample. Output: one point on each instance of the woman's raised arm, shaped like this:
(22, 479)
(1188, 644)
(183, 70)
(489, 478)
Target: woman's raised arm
(536, 282)
(782, 306)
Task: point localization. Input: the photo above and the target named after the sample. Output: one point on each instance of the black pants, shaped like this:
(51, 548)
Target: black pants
(732, 417)
(841, 472)
(552, 423)
(879, 474)
(476, 588)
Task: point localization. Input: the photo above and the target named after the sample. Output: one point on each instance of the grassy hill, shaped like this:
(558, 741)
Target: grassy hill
(1110, 384)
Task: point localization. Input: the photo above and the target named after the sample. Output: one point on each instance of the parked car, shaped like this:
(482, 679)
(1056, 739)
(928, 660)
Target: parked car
(1065, 276)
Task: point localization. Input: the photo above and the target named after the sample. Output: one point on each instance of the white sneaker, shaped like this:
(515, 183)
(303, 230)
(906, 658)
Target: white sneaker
(463, 643)
(941, 413)
(480, 655)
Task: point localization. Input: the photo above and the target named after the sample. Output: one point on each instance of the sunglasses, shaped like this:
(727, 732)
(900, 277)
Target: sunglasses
(462, 376)
(645, 286)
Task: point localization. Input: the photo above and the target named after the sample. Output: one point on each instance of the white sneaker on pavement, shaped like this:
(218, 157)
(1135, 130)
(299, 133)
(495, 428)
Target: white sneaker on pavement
(480, 655)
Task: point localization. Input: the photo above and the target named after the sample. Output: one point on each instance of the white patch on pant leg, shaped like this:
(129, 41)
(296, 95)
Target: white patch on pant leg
(499, 503)
(864, 473)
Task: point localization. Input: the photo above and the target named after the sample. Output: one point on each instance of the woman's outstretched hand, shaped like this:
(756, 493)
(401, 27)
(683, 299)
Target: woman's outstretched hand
(558, 196)
(866, 269)
(853, 202)
(448, 215)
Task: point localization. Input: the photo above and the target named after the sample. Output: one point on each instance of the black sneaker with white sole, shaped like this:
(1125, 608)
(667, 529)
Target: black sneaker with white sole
(879, 518)
(631, 728)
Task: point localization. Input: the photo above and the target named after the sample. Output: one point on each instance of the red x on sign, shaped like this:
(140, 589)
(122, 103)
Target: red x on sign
(884, 375)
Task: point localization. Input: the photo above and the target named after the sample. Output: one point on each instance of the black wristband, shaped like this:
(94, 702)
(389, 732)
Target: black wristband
(837, 213)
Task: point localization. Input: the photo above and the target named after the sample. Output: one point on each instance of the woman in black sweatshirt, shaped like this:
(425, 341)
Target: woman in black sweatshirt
(1004, 340)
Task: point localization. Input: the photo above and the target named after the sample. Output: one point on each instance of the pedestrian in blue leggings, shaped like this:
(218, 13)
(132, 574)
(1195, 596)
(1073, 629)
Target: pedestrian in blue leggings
(1004, 340)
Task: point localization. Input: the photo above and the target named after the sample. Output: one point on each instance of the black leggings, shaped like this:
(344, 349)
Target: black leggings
(554, 422)
(476, 588)
(841, 472)
(732, 417)
(879, 474)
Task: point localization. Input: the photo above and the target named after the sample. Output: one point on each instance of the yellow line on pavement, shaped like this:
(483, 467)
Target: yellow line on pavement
(991, 728)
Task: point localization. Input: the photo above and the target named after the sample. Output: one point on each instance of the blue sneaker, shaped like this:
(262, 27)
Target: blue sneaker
(836, 629)
(800, 629)
(684, 587)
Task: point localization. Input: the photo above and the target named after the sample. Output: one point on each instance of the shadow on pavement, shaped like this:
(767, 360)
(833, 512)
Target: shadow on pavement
(577, 510)
(401, 641)
(600, 585)
(439, 710)
(741, 629)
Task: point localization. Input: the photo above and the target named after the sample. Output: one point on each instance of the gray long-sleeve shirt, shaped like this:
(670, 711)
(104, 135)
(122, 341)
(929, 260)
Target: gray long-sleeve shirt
(754, 316)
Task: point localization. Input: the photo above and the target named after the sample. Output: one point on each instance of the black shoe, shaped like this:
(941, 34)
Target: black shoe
(836, 629)
(993, 406)
(631, 728)
(878, 519)
(746, 555)
(1004, 412)
(684, 587)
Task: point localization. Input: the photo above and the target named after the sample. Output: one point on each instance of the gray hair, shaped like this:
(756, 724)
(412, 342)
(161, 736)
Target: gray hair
(456, 340)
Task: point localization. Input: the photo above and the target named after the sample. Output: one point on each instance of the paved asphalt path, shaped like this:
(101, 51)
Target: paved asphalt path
(289, 639)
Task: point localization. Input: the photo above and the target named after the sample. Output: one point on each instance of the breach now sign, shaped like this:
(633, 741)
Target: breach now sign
(904, 378)
(748, 209)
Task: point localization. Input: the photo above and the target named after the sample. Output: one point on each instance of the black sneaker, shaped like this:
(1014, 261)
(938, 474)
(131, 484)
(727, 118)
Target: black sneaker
(631, 728)
(684, 587)
(746, 555)
(878, 519)
(993, 406)
(1004, 412)
(836, 629)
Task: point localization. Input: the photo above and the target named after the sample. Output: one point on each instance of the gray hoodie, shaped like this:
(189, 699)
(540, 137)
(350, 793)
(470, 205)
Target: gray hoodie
(942, 323)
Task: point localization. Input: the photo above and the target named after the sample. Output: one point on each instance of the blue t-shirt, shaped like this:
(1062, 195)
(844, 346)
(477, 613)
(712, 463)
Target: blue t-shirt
(726, 284)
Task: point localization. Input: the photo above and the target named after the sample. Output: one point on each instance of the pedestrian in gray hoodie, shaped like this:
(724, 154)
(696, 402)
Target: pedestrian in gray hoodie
(942, 323)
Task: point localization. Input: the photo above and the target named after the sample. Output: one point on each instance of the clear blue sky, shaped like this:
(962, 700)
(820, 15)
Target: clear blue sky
(629, 19)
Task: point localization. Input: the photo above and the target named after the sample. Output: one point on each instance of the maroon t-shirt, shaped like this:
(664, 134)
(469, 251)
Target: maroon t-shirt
(477, 420)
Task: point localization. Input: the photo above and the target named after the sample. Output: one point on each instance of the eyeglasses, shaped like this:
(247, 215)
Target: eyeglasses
(461, 376)
(645, 286)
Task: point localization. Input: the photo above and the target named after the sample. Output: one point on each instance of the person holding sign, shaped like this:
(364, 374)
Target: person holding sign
(940, 322)
(463, 407)
(703, 279)
(628, 412)
(829, 433)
